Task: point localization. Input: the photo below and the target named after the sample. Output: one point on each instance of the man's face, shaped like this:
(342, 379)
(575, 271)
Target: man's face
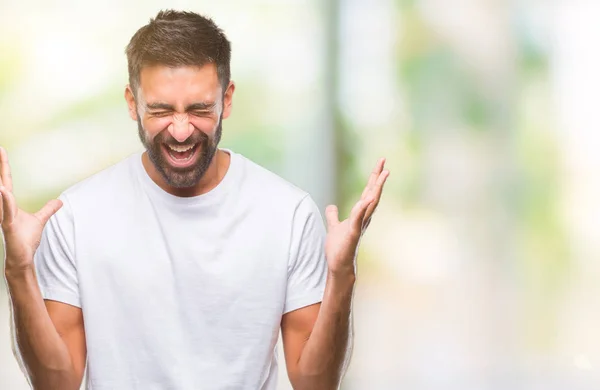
(179, 112)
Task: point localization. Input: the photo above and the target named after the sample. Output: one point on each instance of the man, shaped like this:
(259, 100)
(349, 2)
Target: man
(184, 261)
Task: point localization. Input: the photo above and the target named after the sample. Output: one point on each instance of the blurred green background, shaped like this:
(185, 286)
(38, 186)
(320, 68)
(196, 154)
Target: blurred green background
(480, 268)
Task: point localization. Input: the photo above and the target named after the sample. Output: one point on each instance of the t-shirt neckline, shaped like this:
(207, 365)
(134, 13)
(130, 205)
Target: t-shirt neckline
(203, 199)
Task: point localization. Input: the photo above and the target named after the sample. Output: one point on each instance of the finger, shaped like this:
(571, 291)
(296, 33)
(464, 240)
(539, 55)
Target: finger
(9, 206)
(2, 158)
(5, 175)
(332, 216)
(376, 196)
(373, 177)
(48, 210)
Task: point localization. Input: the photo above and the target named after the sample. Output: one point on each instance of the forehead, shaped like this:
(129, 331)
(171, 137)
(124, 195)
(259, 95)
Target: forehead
(184, 84)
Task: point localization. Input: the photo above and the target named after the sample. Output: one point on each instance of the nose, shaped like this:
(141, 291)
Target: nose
(181, 128)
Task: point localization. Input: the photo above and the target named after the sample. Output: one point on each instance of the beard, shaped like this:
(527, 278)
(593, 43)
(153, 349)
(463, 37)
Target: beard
(181, 177)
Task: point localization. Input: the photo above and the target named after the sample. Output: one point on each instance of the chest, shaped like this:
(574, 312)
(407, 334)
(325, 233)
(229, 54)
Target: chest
(197, 266)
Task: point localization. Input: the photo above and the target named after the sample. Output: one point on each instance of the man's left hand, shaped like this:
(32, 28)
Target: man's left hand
(341, 245)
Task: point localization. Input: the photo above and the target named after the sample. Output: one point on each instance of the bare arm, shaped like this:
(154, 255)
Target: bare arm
(49, 336)
(318, 339)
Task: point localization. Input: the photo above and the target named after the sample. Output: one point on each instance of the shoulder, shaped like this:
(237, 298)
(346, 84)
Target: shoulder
(264, 184)
(102, 184)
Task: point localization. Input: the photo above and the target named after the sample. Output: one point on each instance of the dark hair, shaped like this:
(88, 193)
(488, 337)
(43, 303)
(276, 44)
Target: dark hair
(178, 38)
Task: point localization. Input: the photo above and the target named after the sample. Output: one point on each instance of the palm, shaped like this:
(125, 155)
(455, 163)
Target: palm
(26, 229)
(341, 244)
(21, 231)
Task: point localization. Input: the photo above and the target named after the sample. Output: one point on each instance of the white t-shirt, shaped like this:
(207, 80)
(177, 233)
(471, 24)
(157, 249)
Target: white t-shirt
(183, 293)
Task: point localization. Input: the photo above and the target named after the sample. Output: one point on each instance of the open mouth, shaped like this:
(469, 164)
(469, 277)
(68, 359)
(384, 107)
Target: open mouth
(181, 156)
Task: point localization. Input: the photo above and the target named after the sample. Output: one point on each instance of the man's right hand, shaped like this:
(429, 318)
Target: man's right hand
(22, 231)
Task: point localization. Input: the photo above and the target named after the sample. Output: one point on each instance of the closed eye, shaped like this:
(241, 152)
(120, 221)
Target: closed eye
(160, 113)
(200, 113)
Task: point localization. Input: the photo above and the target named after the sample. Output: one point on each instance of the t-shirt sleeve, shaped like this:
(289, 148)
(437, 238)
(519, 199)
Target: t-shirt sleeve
(307, 267)
(54, 259)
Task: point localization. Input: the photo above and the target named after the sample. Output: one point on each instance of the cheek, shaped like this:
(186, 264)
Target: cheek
(205, 125)
(154, 126)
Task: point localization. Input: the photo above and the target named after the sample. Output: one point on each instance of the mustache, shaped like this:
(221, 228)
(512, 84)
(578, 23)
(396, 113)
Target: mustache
(196, 137)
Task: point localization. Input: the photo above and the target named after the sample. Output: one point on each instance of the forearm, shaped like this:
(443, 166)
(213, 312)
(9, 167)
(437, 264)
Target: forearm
(327, 351)
(44, 353)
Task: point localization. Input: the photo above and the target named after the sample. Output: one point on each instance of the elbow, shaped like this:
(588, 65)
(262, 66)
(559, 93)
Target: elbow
(320, 380)
(55, 379)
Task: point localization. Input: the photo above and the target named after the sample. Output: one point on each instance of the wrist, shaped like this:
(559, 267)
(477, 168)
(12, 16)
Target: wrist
(17, 272)
(346, 276)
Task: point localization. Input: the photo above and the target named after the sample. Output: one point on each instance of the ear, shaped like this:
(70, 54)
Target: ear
(130, 99)
(228, 99)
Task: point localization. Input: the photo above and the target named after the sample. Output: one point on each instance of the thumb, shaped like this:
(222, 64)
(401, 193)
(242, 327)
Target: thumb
(331, 214)
(48, 210)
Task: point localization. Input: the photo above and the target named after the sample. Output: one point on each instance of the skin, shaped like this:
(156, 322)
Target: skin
(50, 334)
(181, 106)
(317, 339)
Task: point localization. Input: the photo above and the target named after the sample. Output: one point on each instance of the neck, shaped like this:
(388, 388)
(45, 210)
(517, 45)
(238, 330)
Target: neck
(212, 177)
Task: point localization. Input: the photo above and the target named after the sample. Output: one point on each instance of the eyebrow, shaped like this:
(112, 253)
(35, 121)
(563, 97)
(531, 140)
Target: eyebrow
(192, 107)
